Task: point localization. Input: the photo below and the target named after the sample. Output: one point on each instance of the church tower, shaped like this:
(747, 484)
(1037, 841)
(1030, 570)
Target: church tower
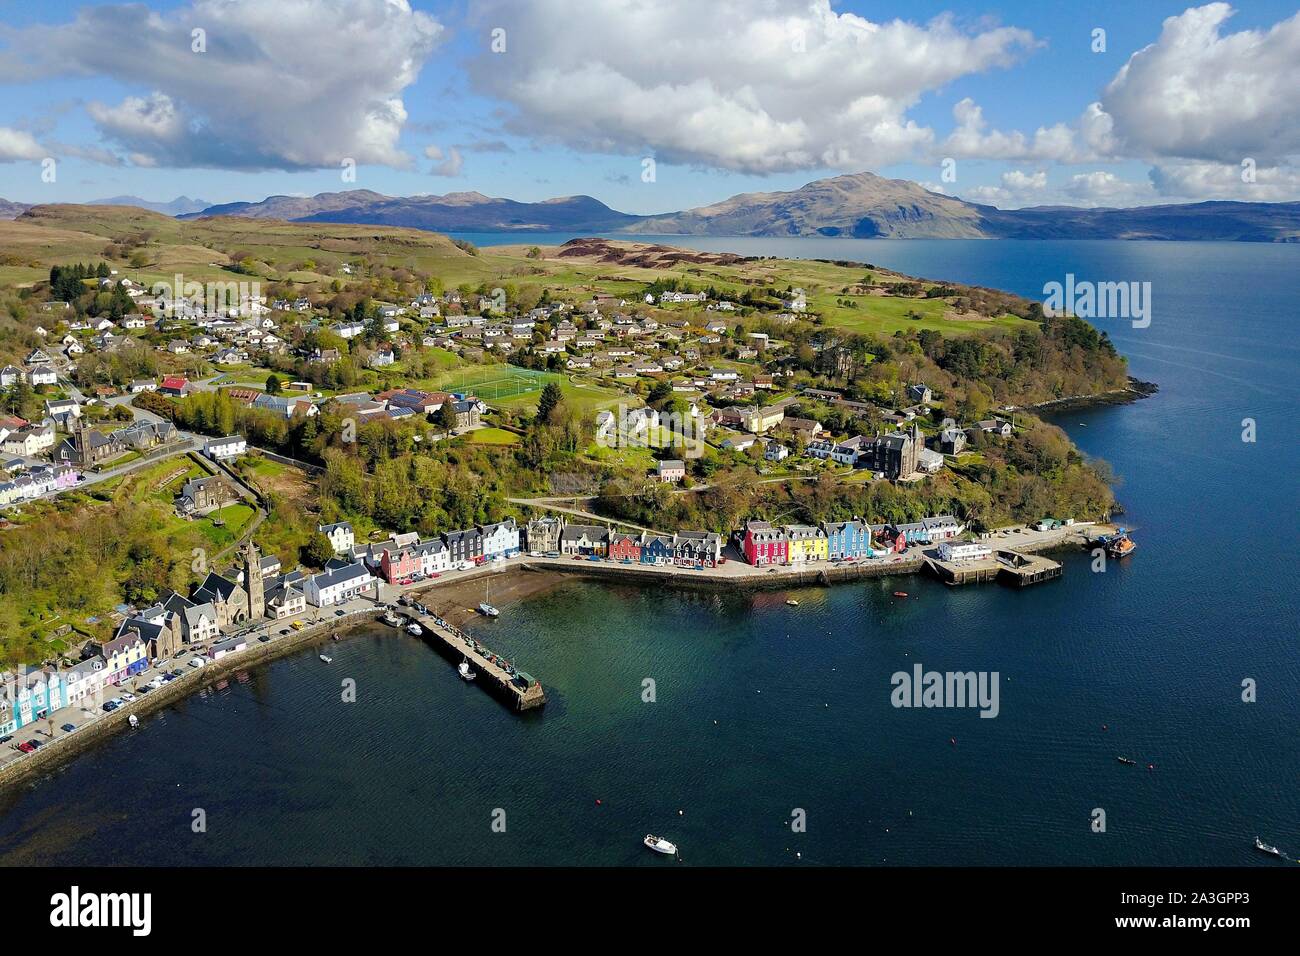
(253, 582)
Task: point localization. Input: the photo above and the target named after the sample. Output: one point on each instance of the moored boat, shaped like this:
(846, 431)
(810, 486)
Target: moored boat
(327, 659)
(134, 721)
(414, 628)
(900, 594)
(466, 672)
(487, 610)
(792, 602)
(660, 845)
(1121, 547)
(390, 618)
(1126, 760)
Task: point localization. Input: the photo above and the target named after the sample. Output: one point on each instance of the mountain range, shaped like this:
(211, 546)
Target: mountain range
(857, 205)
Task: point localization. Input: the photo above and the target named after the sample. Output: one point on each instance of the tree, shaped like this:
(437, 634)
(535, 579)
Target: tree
(317, 551)
(272, 385)
(445, 416)
(551, 397)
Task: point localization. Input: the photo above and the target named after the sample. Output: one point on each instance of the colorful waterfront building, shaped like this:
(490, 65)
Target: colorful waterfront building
(764, 544)
(500, 540)
(657, 549)
(806, 542)
(30, 694)
(124, 656)
(847, 539)
(696, 549)
(624, 547)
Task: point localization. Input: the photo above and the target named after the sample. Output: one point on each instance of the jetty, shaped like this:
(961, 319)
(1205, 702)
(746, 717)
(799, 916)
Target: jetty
(514, 687)
(1001, 564)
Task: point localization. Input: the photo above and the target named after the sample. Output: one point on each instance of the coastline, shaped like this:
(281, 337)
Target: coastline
(1136, 390)
(456, 601)
(64, 748)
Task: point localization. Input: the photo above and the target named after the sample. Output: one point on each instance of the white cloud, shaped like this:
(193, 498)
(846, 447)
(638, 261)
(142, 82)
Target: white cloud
(449, 163)
(1219, 181)
(1104, 188)
(971, 138)
(747, 85)
(1018, 188)
(290, 84)
(1201, 95)
(17, 145)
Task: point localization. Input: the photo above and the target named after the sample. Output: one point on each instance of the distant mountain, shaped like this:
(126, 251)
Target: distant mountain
(12, 210)
(454, 212)
(179, 206)
(859, 205)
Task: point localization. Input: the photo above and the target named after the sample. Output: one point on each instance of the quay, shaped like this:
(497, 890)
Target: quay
(1003, 564)
(517, 689)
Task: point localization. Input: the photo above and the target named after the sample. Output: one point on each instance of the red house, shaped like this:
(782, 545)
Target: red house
(624, 547)
(764, 544)
(397, 564)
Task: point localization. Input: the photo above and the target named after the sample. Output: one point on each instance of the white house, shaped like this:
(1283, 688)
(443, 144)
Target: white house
(338, 585)
(43, 375)
(500, 539)
(963, 551)
(86, 679)
(340, 535)
(219, 449)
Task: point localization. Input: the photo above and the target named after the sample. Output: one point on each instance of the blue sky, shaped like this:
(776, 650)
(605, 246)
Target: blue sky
(728, 98)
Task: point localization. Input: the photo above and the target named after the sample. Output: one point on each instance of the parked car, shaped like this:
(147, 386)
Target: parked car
(128, 696)
(264, 638)
(26, 747)
(110, 706)
(196, 662)
(69, 728)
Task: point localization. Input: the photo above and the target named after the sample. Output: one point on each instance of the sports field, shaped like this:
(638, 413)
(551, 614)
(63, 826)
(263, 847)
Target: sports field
(497, 382)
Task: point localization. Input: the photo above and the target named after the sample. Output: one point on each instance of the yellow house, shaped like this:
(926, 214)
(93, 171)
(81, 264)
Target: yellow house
(807, 543)
(759, 420)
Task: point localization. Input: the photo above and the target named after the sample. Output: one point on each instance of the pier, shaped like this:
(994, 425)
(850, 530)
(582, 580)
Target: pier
(1004, 565)
(514, 687)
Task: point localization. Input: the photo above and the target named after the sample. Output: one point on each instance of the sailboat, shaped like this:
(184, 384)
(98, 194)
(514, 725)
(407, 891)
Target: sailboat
(486, 609)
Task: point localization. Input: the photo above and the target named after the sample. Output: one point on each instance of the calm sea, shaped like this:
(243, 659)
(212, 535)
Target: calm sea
(762, 710)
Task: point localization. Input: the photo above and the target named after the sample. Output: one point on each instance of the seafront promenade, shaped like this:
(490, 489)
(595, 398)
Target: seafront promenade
(267, 640)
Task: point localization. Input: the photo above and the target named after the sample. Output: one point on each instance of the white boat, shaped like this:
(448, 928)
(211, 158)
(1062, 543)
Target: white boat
(1265, 848)
(660, 845)
(390, 618)
(134, 721)
(414, 628)
(487, 609)
(466, 672)
(327, 659)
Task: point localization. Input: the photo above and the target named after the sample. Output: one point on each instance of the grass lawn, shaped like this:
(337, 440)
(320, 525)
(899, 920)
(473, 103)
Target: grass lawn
(234, 516)
(493, 436)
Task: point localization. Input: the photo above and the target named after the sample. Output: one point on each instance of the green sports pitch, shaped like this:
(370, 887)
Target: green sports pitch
(498, 382)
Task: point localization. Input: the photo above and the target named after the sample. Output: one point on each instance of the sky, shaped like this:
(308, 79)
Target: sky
(649, 105)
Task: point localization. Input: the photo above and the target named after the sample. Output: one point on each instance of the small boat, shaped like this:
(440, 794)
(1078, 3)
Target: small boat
(1127, 761)
(1121, 547)
(414, 628)
(660, 845)
(134, 721)
(466, 672)
(390, 618)
(1259, 845)
(487, 610)
(900, 594)
(792, 602)
(327, 659)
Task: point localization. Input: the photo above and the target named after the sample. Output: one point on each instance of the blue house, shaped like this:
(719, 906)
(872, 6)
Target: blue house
(847, 539)
(657, 549)
(30, 695)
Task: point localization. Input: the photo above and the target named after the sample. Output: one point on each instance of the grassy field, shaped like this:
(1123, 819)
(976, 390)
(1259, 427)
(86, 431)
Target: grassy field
(493, 436)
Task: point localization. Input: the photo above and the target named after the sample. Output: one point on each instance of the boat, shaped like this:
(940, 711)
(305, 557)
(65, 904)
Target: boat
(792, 602)
(414, 628)
(134, 721)
(1121, 547)
(900, 594)
(488, 610)
(1259, 845)
(1127, 761)
(390, 618)
(466, 672)
(660, 845)
(327, 659)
